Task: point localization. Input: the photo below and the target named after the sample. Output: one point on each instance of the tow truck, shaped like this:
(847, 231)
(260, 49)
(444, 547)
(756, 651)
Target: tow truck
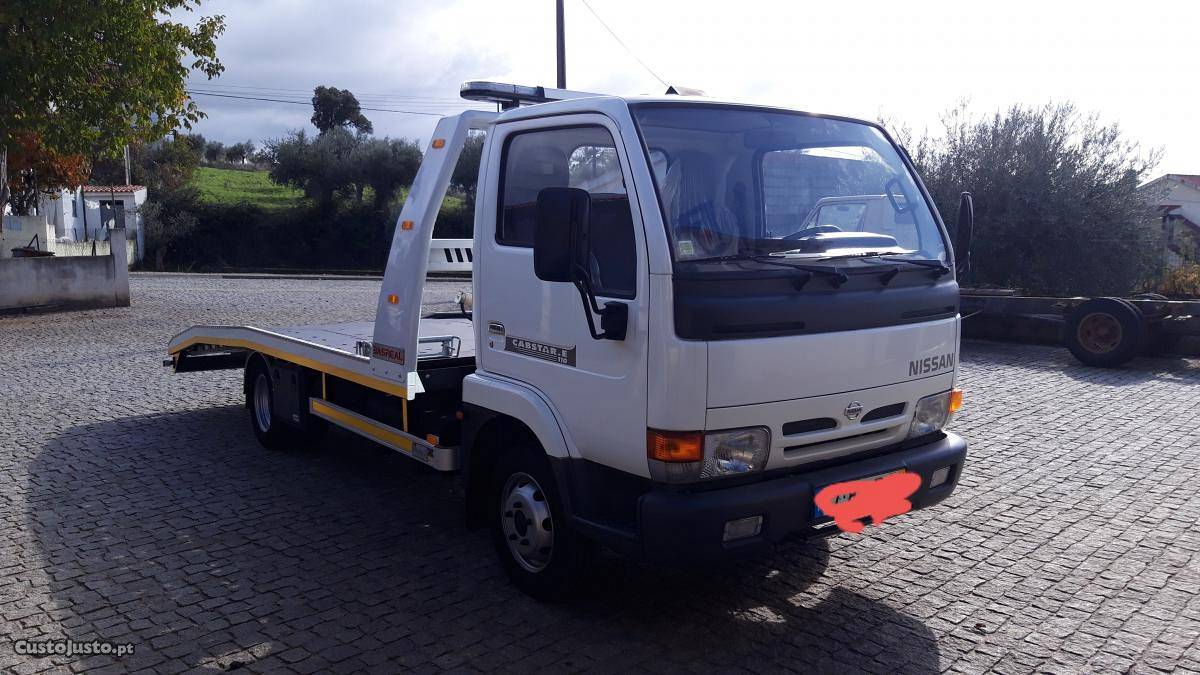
(688, 317)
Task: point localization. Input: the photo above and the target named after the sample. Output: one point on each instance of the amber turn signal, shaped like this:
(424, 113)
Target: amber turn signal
(675, 446)
(955, 400)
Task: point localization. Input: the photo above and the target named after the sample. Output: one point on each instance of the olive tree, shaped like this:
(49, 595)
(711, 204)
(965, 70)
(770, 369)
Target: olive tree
(1057, 208)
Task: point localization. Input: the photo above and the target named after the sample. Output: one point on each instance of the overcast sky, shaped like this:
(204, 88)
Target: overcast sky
(1132, 62)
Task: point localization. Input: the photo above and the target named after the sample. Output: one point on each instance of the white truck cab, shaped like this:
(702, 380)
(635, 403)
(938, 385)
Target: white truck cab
(688, 318)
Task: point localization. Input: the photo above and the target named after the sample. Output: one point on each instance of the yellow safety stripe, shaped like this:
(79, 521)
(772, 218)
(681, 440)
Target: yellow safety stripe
(375, 383)
(374, 430)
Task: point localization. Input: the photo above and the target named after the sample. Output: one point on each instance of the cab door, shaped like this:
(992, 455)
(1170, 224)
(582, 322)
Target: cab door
(535, 331)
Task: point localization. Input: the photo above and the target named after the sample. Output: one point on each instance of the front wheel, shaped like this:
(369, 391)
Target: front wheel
(541, 555)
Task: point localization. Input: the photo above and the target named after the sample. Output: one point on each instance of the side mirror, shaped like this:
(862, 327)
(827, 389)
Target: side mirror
(560, 240)
(962, 239)
(562, 219)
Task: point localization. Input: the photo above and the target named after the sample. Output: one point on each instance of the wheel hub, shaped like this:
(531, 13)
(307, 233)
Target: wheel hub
(262, 402)
(1100, 332)
(526, 522)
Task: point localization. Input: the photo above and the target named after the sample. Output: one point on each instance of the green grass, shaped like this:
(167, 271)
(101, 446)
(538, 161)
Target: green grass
(229, 186)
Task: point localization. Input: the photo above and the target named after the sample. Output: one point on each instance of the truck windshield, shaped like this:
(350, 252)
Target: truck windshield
(748, 183)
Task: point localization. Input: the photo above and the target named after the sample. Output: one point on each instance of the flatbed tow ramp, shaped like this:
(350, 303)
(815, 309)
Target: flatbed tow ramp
(343, 351)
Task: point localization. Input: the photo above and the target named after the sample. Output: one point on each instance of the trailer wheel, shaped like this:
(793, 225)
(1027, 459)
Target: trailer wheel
(260, 393)
(540, 554)
(1105, 332)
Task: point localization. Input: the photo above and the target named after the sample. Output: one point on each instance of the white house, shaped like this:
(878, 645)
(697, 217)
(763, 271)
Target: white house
(1176, 198)
(86, 213)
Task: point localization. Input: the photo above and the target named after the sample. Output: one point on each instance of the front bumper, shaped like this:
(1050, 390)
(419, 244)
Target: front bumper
(679, 527)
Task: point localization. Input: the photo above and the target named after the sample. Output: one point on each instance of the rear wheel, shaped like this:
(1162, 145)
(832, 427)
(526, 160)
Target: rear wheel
(1105, 332)
(260, 393)
(541, 555)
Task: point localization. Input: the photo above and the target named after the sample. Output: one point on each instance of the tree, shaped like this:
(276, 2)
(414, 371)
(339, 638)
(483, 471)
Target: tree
(236, 153)
(34, 170)
(167, 220)
(333, 108)
(385, 165)
(164, 165)
(214, 151)
(321, 167)
(88, 81)
(196, 142)
(1056, 204)
(466, 172)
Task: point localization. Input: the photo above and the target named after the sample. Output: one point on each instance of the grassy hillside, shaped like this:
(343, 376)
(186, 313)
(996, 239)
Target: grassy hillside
(229, 186)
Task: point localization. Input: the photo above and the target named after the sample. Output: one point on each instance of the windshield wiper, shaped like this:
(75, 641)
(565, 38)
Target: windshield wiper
(806, 272)
(939, 268)
(836, 276)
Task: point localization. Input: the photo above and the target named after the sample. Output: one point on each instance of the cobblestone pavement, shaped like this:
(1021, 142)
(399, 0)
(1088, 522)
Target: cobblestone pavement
(136, 507)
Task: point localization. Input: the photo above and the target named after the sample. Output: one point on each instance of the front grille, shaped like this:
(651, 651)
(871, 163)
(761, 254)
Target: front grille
(885, 411)
(796, 448)
(809, 426)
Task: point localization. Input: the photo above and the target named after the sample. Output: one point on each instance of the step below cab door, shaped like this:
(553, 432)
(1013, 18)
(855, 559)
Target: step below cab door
(536, 331)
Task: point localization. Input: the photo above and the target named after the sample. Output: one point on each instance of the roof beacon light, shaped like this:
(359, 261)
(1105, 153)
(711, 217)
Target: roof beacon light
(513, 95)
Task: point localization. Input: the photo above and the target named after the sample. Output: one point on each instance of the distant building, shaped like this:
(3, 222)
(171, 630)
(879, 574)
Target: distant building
(1176, 199)
(86, 213)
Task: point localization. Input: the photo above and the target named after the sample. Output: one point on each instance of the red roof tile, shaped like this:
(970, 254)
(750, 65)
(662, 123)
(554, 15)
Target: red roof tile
(113, 188)
(1191, 180)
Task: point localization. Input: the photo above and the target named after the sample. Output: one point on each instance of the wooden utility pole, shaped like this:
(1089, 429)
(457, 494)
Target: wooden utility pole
(562, 46)
(3, 183)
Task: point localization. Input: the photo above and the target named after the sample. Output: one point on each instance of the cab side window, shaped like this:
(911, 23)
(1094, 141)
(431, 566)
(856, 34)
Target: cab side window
(580, 157)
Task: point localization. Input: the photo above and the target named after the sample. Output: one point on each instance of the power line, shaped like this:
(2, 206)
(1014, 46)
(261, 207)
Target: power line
(305, 99)
(623, 45)
(307, 103)
(308, 92)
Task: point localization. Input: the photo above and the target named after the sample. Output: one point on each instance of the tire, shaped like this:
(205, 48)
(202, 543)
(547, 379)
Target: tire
(260, 396)
(1105, 332)
(540, 554)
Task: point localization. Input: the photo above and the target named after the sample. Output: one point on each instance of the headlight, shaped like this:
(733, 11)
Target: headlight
(932, 412)
(688, 456)
(735, 451)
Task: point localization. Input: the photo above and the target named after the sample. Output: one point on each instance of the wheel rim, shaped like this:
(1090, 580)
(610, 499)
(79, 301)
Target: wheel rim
(526, 522)
(1100, 332)
(262, 402)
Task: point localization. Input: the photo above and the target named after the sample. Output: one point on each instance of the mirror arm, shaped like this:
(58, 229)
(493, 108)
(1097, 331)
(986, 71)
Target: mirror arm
(585, 295)
(582, 283)
(614, 316)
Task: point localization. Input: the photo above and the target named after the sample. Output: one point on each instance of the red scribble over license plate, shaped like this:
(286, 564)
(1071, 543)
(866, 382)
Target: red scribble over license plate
(880, 497)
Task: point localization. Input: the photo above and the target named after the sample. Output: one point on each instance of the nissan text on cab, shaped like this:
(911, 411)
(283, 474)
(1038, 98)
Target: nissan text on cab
(689, 318)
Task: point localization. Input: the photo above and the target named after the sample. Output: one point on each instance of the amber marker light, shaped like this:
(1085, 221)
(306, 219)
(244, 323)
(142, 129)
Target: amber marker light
(393, 299)
(955, 400)
(439, 143)
(674, 446)
(406, 224)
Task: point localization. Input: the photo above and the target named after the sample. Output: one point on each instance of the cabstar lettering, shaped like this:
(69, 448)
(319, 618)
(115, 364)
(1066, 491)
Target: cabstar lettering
(932, 364)
(539, 350)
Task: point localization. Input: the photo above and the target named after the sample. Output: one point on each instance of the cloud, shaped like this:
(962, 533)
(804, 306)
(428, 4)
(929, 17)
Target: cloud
(909, 60)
